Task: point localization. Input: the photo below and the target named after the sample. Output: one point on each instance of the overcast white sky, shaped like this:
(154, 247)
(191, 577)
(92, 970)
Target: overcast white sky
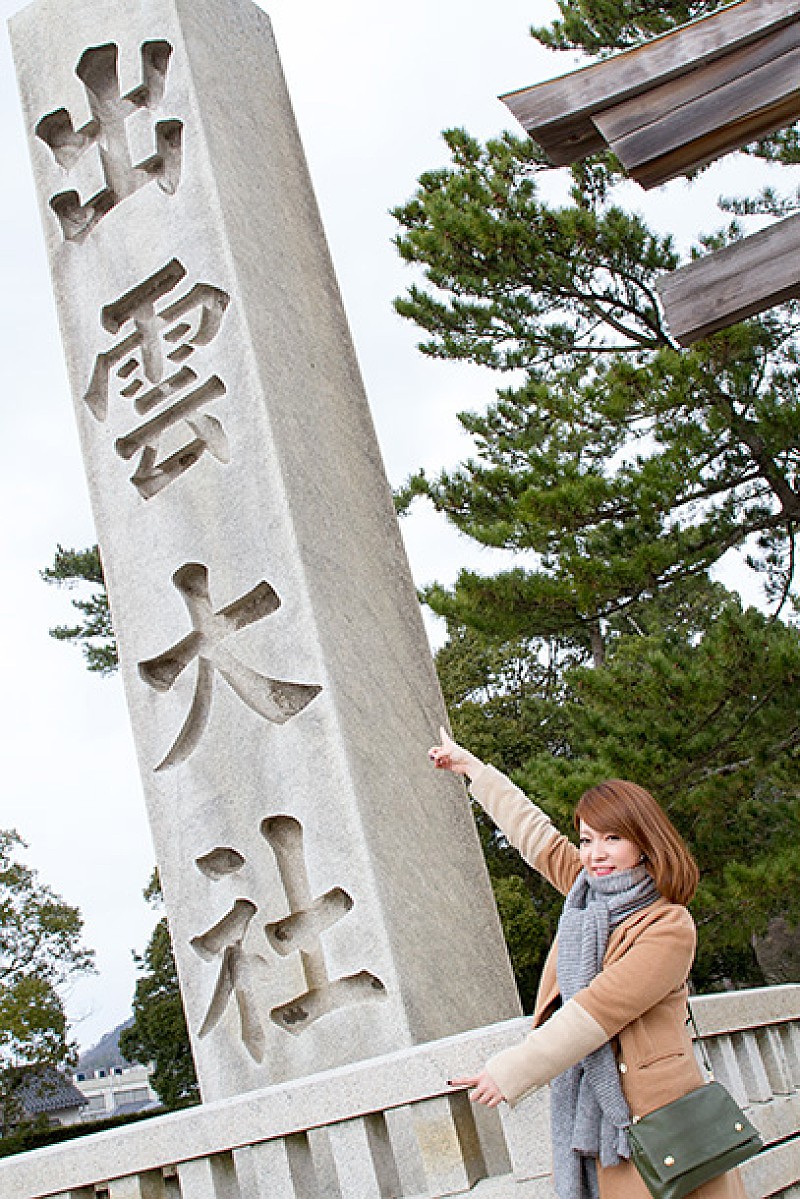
(373, 85)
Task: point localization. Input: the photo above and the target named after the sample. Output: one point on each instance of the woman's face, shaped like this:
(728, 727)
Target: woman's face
(604, 853)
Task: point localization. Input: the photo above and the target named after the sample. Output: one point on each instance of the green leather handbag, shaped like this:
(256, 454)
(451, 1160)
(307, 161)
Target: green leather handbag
(687, 1142)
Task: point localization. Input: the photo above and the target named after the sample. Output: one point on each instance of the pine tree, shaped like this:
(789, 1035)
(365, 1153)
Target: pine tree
(94, 633)
(40, 954)
(598, 26)
(701, 710)
(621, 471)
(159, 1034)
(624, 464)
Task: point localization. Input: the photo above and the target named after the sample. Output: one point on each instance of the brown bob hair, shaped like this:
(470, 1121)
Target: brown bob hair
(629, 811)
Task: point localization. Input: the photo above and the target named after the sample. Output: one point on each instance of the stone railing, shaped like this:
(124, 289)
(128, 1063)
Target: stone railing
(389, 1127)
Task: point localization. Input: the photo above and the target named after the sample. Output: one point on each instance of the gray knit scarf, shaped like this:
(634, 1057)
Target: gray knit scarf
(589, 1114)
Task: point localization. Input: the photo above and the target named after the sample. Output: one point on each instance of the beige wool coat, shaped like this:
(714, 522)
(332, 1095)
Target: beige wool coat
(638, 1001)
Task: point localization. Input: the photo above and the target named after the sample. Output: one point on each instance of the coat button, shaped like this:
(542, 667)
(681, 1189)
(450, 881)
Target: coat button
(623, 1069)
(669, 1160)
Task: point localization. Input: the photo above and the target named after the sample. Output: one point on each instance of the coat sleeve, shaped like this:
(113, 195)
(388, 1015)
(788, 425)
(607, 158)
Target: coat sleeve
(570, 1034)
(657, 962)
(527, 827)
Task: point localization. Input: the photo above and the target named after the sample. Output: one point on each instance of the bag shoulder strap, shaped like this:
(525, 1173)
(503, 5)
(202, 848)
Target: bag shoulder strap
(699, 1041)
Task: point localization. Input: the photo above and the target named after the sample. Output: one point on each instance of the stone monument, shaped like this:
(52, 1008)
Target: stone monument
(326, 892)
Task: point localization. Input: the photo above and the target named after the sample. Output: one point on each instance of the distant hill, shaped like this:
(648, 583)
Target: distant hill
(105, 1054)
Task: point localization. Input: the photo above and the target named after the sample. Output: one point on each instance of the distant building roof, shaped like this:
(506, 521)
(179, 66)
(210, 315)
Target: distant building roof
(138, 1105)
(44, 1089)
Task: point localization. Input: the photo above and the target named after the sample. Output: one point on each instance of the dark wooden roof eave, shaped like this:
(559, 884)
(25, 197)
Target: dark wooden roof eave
(560, 114)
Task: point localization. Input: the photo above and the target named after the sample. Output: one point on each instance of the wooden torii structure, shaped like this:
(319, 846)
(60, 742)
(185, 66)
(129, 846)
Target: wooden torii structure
(672, 105)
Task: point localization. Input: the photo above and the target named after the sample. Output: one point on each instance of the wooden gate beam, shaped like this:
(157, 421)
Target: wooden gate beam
(672, 105)
(679, 101)
(725, 287)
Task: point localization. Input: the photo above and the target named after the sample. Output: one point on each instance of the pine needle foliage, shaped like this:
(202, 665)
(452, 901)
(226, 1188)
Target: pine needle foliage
(618, 471)
(94, 632)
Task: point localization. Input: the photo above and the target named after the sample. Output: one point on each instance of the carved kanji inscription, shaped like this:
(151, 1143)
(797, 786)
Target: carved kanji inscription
(243, 974)
(105, 133)
(148, 368)
(301, 932)
(209, 642)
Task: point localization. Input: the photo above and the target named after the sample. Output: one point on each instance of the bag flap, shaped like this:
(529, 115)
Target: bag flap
(684, 1134)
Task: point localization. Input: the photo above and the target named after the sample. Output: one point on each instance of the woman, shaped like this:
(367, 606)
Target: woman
(609, 1027)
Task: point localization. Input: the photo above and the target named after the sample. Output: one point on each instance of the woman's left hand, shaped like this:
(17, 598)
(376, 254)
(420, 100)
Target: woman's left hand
(484, 1089)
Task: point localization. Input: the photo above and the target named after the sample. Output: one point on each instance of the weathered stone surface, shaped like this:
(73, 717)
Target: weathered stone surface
(531, 1156)
(774, 1173)
(450, 1150)
(732, 1011)
(326, 892)
(401, 1080)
